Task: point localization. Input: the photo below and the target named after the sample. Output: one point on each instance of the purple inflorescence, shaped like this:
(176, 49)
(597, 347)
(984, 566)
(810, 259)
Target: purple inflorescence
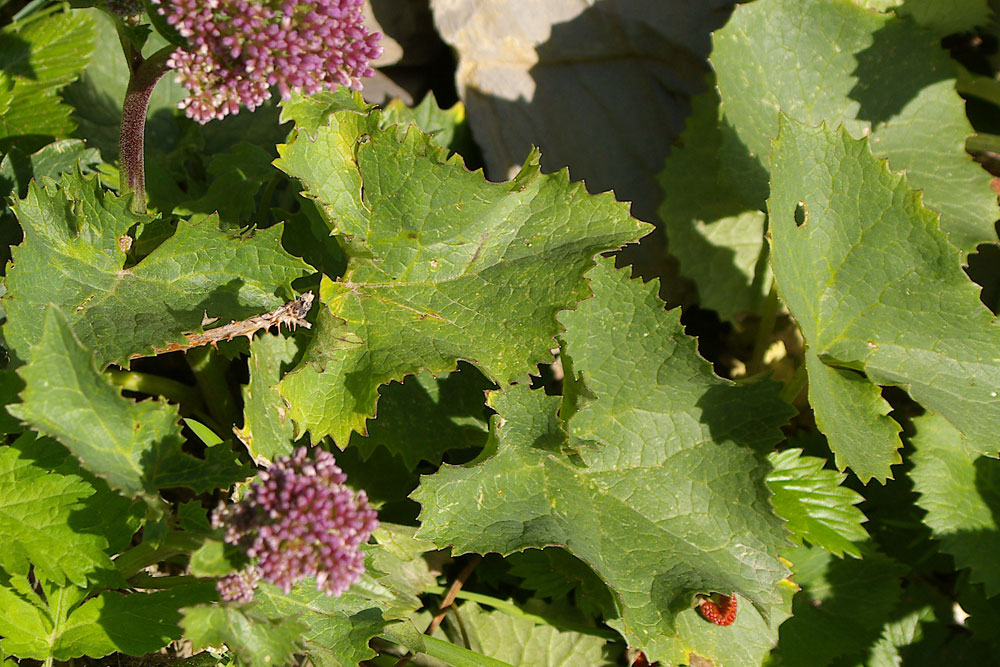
(239, 586)
(298, 520)
(240, 48)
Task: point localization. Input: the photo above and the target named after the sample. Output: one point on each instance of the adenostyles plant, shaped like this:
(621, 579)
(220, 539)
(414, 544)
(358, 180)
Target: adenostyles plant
(298, 520)
(535, 463)
(238, 50)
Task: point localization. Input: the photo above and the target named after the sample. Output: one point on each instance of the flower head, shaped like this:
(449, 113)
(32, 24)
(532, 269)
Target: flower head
(240, 48)
(298, 520)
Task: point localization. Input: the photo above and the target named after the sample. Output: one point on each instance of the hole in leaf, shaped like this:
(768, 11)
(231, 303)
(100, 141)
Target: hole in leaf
(801, 214)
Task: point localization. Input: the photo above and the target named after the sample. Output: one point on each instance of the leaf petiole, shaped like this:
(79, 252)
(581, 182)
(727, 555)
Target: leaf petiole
(155, 385)
(143, 555)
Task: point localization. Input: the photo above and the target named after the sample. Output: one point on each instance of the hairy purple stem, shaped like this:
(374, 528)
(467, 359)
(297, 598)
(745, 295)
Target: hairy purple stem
(144, 76)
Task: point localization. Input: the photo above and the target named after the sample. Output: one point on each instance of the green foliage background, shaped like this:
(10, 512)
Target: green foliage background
(814, 432)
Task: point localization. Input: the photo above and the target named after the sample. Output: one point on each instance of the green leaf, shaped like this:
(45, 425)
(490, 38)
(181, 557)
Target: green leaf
(553, 573)
(74, 256)
(210, 560)
(880, 76)
(257, 641)
(842, 607)
(442, 265)
(423, 417)
(521, 642)
(876, 288)
(852, 414)
(944, 17)
(42, 57)
(901, 638)
(339, 628)
(714, 230)
(745, 643)
(64, 628)
(37, 512)
(63, 157)
(204, 433)
(666, 463)
(448, 127)
(815, 505)
(136, 447)
(105, 512)
(238, 174)
(267, 432)
(960, 492)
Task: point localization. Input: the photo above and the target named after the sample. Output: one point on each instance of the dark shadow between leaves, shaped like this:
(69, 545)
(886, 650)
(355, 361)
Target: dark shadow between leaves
(894, 69)
(15, 57)
(453, 419)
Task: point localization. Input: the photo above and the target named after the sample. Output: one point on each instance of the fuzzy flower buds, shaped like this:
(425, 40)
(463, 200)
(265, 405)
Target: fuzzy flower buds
(298, 520)
(240, 48)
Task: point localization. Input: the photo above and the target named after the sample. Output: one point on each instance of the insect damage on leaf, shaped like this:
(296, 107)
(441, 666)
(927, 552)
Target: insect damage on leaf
(292, 315)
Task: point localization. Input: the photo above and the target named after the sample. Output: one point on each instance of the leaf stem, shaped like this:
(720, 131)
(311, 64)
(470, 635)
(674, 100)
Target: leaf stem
(984, 87)
(143, 580)
(453, 590)
(210, 373)
(459, 656)
(143, 77)
(794, 386)
(155, 385)
(143, 555)
(765, 328)
(513, 610)
(31, 11)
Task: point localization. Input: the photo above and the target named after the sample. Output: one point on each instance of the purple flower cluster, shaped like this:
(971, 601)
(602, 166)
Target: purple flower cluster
(240, 48)
(298, 520)
(239, 586)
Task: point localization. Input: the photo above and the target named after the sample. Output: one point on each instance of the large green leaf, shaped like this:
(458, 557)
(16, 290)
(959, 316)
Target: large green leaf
(881, 76)
(266, 432)
(876, 288)
(335, 631)
(449, 127)
(136, 447)
(36, 511)
(947, 16)
(960, 492)
(442, 264)
(40, 58)
(106, 513)
(815, 505)
(64, 626)
(842, 607)
(523, 643)
(75, 255)
(259, 642)
(657, 484)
